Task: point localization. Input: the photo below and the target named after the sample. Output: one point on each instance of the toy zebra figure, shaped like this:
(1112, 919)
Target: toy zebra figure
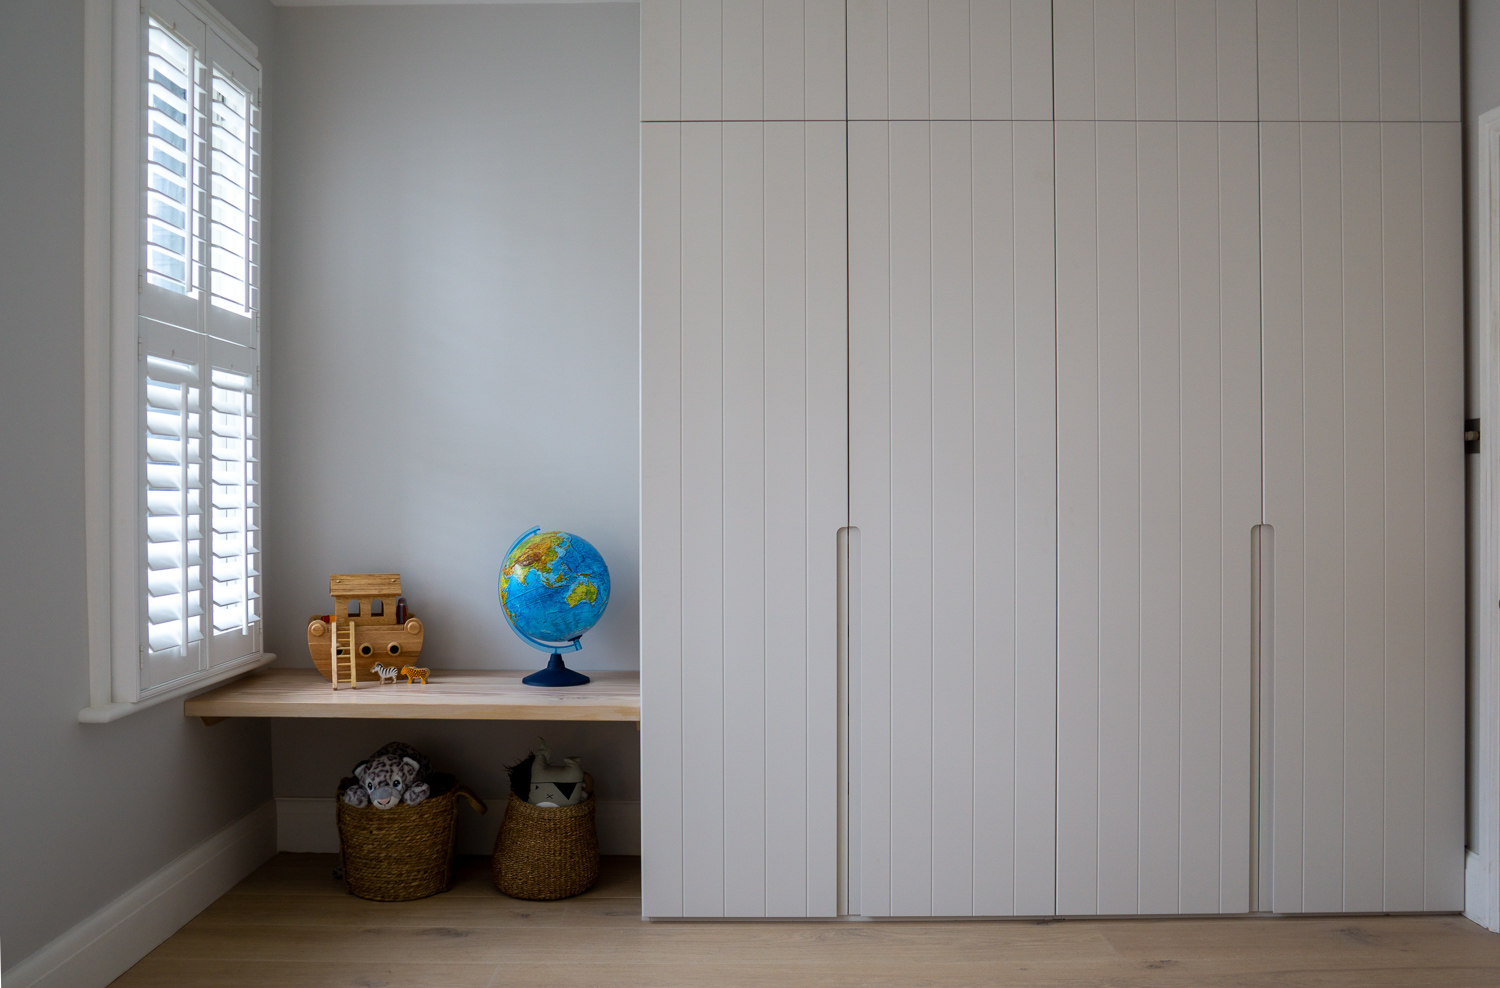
(386, 673)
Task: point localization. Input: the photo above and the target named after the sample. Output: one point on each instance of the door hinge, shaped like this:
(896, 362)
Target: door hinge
(1471, 436)
(140, 282)
(140, 348)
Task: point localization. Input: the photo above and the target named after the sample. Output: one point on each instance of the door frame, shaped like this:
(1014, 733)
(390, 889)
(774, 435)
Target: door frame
(1482, 864)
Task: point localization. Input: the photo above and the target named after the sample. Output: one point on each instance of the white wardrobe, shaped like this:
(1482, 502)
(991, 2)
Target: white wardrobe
(1051, 457)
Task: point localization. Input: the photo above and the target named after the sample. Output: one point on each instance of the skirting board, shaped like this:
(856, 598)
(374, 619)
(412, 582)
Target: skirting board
(105, 945)
(1480, 897)
(310, 825)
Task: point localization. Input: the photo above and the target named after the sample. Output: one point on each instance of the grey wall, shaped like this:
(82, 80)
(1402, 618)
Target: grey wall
(455, 351)
(90, 809)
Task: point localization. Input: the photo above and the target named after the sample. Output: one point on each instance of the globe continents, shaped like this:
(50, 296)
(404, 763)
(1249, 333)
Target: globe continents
(554, 586)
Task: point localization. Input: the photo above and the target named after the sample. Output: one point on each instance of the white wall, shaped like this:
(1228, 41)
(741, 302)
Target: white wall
(90, 810)
(455, 352)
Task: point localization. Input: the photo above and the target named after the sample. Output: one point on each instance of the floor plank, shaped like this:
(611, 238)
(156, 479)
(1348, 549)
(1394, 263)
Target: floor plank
(291, 924)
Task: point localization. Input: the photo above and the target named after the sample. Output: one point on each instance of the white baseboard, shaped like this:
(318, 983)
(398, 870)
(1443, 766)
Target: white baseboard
(310, 825)
(106, 944)
(1480, 896)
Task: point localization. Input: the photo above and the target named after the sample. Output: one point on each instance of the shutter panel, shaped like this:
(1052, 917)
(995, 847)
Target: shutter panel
(170, 83)
(172, 470)
(173, 152)
(234, 467)
(233, 165)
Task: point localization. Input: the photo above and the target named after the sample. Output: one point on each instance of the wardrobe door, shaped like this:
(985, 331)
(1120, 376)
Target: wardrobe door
(1362, 800)
(953, 499)
(1158, 493)
(743, 492)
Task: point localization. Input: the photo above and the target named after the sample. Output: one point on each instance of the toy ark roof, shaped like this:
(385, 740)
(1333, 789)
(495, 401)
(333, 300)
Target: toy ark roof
(365, 584)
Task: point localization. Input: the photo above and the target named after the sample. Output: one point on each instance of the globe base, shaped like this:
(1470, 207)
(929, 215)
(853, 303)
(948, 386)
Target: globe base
(556, 674)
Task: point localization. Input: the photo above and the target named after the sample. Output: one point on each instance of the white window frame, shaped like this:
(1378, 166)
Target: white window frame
(114, 224)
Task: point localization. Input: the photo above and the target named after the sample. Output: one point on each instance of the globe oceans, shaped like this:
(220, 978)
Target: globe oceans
(554, 586)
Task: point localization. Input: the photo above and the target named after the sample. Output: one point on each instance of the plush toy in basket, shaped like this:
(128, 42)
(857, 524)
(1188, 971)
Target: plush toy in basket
(547, 847)
(396, 824)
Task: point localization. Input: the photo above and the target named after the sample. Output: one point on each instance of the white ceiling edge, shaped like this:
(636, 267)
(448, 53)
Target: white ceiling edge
(423, 3)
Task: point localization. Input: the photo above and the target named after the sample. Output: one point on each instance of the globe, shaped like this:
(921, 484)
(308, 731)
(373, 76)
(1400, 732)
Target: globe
(554, 587)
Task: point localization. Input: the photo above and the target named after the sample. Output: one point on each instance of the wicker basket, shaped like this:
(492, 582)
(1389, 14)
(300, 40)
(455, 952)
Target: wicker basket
(546, 852)
(405, 852)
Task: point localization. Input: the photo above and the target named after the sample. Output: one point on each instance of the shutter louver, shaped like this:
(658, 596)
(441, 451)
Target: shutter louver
(230, 210)
(174, 490)
(236, 548)
(173, 246)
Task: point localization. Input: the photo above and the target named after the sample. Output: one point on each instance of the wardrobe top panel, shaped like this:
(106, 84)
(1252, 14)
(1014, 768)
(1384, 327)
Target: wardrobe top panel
(1355, 60)
(1210, 60)
(950, 60)
(1359, 60)
(742, 60)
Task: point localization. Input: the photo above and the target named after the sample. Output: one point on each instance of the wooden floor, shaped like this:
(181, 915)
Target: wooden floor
(291, 925)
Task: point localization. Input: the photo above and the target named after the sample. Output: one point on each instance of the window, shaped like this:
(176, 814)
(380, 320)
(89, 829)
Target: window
(186, 577)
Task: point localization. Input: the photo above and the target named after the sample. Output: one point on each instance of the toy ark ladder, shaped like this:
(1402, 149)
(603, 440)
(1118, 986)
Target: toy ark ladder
(343, 652)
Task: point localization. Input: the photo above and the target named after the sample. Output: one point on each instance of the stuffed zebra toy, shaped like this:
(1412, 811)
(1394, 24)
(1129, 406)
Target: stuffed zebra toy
(393, 775)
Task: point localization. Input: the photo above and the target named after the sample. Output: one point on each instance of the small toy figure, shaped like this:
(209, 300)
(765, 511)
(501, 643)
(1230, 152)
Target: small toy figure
(415, 675)
(386, 673)
(541, 783)
(393, 775)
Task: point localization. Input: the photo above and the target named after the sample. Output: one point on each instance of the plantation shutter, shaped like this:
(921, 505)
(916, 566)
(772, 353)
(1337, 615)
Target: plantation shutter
(198, 350)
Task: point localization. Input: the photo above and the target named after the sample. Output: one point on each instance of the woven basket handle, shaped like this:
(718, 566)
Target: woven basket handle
(474, 800)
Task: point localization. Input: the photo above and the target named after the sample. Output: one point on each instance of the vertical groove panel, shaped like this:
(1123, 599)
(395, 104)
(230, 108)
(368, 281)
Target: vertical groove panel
(1443, 714)
(743, 64)
(1364, 520)
(870, 497)
(703, 518)
(1203, 456)
(786, 534)
(826, 426)
(661, 59)
(745, 489)
(1364, 492)
(912, 488)
(1159, 452)
(1077, 520)
(1283, 389)
(951, 334)
(1404, 616)
(1034, 802)
(1240, 425)
(954, 591)
(1161, 518)
(1119, 520)
(702, 60)
(746, 484)
(661, 533)
(994, 621)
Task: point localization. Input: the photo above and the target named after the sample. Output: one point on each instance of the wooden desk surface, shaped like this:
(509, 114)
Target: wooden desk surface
(469, 694)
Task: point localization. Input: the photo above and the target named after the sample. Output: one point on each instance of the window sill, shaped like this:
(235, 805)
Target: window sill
(114, 711)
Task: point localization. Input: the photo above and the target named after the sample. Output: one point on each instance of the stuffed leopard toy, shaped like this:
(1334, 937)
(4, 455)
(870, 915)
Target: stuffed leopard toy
(393, 775)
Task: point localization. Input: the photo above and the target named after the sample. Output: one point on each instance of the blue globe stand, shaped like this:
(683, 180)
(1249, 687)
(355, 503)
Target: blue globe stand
(556, 674)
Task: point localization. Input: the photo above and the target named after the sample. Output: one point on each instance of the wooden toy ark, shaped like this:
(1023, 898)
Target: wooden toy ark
(369, 625)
